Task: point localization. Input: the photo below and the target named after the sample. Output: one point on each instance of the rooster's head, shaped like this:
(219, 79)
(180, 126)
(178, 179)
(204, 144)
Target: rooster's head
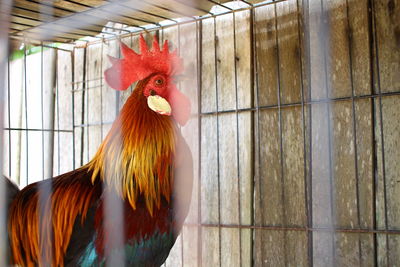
(160, 69)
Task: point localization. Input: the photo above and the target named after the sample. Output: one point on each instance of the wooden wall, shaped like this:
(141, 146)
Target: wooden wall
(294, 131)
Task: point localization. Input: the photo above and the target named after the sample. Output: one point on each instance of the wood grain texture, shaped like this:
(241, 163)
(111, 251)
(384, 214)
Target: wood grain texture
(390, 133)
(266, 59)
(63, 158)
(93, 100)
(289, 52)
(387, 21)
(208, 80)
(188, 47)
(78, 86)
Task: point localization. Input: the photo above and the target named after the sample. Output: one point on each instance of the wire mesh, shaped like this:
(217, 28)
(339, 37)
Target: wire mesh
(313, 102)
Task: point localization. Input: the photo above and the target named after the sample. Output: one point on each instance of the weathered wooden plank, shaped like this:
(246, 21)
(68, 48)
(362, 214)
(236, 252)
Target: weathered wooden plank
(109, 95)
(37, 99)
(296, 248)
(225, 60)
(243, 59)
(289, 52)
(348, 246)
(173, 35)
(291, 118)
(265, 38)
(316, 50)
(268, 190)
(183, 38)
(391, 129)
(359, 46)
(364, 141)
(79, 83)
(208, 80)
(387, 21)
(337, 49)
(189, 87)
(209, 193)
(190, 246)
(380, 188)
(293, 167)
(210, 246)
(188, 46)
(268, 248)
(63, 115)
(230, 253)
(15, 112)
(229, 209)
(348, 253)
(246, 163)
(175, 255)
(343, 165)
(93, 96)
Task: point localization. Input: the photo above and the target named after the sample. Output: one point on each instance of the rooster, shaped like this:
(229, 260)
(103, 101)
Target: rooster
(143, 169)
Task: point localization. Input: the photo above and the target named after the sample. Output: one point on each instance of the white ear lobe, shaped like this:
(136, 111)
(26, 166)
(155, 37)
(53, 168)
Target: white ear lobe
(159, 105)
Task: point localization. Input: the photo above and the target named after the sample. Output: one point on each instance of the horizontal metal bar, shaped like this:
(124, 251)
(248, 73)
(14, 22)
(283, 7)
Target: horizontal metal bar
(297, 228)
(57, 48)
(24, 39)
(93, 124)
(37, 130)
(219, 4)
(86, 81)
(299, 104)
(248, 3)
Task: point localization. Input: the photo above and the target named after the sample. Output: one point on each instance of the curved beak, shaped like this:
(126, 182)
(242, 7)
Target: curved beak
(159, 105)
(177, 105)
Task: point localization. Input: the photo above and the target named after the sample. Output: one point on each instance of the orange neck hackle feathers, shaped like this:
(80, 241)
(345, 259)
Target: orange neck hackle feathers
(136, 155)
(136, 158)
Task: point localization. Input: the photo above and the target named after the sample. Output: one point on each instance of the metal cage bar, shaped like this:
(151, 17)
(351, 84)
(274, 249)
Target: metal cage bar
(306, 105)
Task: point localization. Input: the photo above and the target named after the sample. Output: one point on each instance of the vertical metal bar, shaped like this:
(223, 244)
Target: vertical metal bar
(257, 93)
(101, 88)
(117, 93)
(87, 104)
(382, 139)
(179, 86)
(199, 51)
(354, 132)
(252, 156)
(26, 116)
(58, 115)
(72, 54)
(283, 198)
(218, 162)
(235, 58)
(84, 89)
(5, 7)
(331, 178)
(131, 87)
(41, 106)
(9, 116)
(375, 178)
(307, 177)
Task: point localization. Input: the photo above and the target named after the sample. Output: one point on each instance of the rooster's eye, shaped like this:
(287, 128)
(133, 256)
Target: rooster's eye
(159, 82)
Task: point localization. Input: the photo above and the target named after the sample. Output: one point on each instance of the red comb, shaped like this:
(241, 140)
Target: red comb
(134, 67)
